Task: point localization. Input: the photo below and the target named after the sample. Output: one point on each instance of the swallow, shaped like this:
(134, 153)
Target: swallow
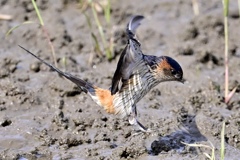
(136, 74)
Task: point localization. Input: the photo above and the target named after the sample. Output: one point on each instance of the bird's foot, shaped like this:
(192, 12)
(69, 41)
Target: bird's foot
(140, 127)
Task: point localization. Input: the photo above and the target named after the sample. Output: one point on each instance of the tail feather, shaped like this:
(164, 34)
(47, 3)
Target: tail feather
(83, 85)
(101, 96)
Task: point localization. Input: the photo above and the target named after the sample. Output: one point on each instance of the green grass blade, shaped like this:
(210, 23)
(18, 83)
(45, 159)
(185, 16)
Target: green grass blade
(225, 7)
(212, 157)
(98, 25)
(222, 150)
(88, 20)
(38, 12)
(97, 46)
(13, 28)
(100, 29)
(107, 12)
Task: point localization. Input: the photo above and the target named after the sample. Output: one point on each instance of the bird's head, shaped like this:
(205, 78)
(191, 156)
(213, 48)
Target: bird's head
(168, 70)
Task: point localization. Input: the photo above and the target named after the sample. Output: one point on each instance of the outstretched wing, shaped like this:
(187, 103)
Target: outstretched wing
(131, 56)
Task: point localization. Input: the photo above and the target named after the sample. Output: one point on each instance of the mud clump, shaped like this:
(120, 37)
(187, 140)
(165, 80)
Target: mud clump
(8, 66)
(70, 141)
(166, 144)
(186, 51)
(190, 33)
(6, 122)
(208, 57)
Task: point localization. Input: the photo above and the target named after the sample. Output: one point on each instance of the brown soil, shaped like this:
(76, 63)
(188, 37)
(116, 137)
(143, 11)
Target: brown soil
(44, 116)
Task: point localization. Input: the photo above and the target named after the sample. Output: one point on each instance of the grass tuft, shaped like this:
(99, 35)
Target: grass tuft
(211, 147)
(96, 8)
(101, 32)
(43, 29)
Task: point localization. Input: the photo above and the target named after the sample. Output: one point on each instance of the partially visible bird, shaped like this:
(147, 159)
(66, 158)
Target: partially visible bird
(135, 76)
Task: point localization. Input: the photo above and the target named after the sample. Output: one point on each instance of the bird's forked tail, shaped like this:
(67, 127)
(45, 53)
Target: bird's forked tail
(101, 96)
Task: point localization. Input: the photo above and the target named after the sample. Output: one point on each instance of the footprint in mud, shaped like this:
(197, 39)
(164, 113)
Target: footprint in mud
(188, 132)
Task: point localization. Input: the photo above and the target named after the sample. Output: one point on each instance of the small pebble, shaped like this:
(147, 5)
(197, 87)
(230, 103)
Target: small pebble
(35, 67)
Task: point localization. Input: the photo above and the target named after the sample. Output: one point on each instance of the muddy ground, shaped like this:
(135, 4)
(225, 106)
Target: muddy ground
(44, 116)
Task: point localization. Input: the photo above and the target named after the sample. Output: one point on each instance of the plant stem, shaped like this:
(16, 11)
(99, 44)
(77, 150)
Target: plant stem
(100, 29)
(45, 31)
(38, 13)
(222, 141)
(226, 56)
(225, 7)
(50, 44)
(107, 11)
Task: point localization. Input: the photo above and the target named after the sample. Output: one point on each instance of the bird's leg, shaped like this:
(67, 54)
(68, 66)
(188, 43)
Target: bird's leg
(133, 120)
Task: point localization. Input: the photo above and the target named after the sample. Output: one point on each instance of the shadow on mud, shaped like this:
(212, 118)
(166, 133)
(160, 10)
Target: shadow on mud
(187, 132)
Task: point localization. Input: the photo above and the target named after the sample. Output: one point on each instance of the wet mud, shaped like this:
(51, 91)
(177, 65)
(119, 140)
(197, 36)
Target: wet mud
(44, 116)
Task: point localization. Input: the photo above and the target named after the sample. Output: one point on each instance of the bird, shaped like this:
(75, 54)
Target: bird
(136, 74)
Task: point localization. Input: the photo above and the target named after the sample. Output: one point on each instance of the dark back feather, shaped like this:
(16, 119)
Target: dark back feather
(129, 56)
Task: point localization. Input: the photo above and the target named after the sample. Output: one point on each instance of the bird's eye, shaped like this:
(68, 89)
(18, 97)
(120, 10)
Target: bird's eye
(173, 72)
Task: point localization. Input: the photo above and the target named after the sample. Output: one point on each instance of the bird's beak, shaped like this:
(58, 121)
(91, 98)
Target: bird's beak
(180, 78)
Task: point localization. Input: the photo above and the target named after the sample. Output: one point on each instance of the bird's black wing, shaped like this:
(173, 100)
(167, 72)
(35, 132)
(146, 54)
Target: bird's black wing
(130, 57)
